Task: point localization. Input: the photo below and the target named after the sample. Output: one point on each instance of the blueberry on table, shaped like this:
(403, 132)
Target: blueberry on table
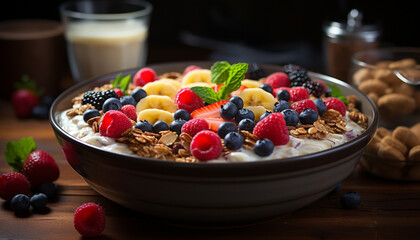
(246, 125)
(228, 110)
(20, 203)
(39, 201)
(182, 114)
(233, 140)
(237, 101)
(138, 94)
(145, 126)
(226, 128)
(49, 189)
(91, 113)
(291, 117)
(160, 126)
(40, 112)
(351, 200)
(281, 105)
(263, 147)
(111, 104)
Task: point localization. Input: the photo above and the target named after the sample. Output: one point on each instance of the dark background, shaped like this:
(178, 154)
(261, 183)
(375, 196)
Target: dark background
(262, 31)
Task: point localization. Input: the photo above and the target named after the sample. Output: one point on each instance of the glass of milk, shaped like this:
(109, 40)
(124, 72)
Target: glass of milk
(105, 36)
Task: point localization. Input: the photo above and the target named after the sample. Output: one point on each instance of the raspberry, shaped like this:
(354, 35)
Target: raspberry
(13, 183)
(298, 93)
(143, 76)
(89, 220)
(274, 128)
(114, 123)
(186, 99)
(299, 106)
(206, 145)
(194, 126)
(118, 92)
(277, 79)
(98, 98)
(130, 111)
(298, 77)
(190, 68)
(314, 88)
(336, 104)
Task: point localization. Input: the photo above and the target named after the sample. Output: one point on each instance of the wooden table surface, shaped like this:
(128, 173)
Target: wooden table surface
(389, 209)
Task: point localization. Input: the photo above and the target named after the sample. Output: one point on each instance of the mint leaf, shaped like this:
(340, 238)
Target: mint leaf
(219, 72)
(17, 152)
(121, 82)
(236, 75)
(336, 92)
(207, 94)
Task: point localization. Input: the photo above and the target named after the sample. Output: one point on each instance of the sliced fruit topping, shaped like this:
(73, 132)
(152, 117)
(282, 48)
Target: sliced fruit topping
(173, 82)
(250, 83)
(190, 68)
(194, 126)
(160, 88)
(197, 75)
(188, 100)
(144, 76)
(206, 145)
(114, 123)
(209, 111)
(274, 128)
(299, 106)
(215, 122)
(156, 102)
(154, 115)
(237, 92)
(257, 97)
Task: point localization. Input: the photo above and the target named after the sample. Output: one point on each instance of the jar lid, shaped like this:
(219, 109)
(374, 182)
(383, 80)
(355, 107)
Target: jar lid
(353, 29)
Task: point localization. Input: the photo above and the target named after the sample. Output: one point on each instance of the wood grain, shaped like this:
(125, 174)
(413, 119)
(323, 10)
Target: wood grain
(389, 209)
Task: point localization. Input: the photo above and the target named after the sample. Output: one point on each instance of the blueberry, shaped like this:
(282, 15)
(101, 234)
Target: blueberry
(20, 203)
(283, 95)
(320, 106)
(128, 100)
(244, 113)
(246, 125)
(91, 113)
(233, 140)
(182, 114)
(308, 116)
(291, 117)
(138, 94)
(281, 105)
(351, 200)
(238, 102)
(49, 189)
(176, 125)
(160, 126)
(328, 92)
(226, 128)
(337, 188)
(263, 147)
(111, 104)
(267, 88)
(228, 110)
(40, 112)
(145, 126)
(39, 201)
(264, 115)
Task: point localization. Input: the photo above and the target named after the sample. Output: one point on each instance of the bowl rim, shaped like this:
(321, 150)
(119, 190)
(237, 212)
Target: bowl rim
(356, 56)
(304, 159)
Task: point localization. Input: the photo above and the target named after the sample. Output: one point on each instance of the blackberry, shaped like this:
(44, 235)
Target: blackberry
(298, 77)
(288, 68)
(314, 88)
(98, 98)
(255, 72)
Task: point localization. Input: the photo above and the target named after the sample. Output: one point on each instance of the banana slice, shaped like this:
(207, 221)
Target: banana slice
(250, 83)
(197, 75)
(154, 115)
(257, 97)
(156, 102)
(160, 88)
(203, 84)
(258, 111)
(175, 83)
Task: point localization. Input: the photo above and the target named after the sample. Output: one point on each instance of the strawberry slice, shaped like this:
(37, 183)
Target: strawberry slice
(241, 89)
(212, 110)
(214, 122)
(217, 87)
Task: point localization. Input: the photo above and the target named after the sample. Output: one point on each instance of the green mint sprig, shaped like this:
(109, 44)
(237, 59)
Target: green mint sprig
(17, 152)
(121, 82)
(336, 92)
(222, 73)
